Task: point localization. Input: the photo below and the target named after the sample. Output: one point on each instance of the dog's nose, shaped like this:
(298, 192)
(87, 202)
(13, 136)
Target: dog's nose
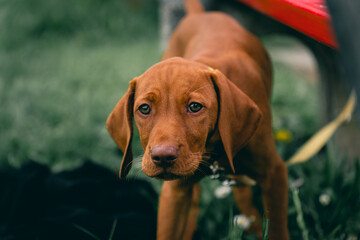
(164, 156)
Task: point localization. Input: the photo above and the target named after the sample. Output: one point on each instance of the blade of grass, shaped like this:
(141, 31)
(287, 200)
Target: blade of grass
(265, 227)
(333, 232)
(231, 223)
(86, 231)
(300, 217)
(317, 225)
(113, 229)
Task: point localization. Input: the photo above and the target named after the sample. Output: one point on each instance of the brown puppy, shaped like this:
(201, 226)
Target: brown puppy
(207, 100)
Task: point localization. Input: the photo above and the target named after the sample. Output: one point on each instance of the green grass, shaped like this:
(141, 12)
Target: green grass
(64, 66)
(57, 89)
(55, 107)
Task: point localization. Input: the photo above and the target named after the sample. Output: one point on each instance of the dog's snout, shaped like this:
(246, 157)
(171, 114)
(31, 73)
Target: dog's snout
(164, 156)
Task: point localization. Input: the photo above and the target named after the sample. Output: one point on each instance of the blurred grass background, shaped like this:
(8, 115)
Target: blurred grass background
(63, 67)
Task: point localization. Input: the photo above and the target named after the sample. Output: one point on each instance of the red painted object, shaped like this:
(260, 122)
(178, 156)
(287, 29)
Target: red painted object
(310, 17)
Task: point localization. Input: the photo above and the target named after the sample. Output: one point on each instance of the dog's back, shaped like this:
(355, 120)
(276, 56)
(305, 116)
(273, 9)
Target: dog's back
(193, 6)
(219, 41)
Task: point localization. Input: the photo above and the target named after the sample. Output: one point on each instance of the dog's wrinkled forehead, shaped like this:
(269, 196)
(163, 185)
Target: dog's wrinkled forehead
(174, 73)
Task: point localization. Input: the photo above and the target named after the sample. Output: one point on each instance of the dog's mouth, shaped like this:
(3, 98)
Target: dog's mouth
(182, 168)
(167, 176)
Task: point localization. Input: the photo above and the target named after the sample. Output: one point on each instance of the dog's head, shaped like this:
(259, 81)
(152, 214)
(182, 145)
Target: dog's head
(177, 106)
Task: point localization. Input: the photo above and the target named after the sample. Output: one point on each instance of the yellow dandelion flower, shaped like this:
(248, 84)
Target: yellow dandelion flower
(283, 135)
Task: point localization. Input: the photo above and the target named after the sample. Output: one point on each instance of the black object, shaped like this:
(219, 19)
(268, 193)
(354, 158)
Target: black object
(345, 18)
(86, 203)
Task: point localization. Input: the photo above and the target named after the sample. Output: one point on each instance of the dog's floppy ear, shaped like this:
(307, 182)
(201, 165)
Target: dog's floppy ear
(238, 118)
(120, 126)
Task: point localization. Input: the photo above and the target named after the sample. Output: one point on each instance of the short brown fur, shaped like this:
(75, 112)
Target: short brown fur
(213, 61)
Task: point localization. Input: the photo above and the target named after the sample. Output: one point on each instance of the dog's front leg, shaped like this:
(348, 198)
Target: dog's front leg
(274, 191)
(174, 207)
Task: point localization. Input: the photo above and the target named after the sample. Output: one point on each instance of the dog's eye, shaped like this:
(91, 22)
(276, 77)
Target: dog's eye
(145, 109)
(195, 107)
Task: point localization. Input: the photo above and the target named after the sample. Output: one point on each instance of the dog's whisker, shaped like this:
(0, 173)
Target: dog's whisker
(139, 158)
(137, 171)
(201, 171)
(204, 163)
(129, 165)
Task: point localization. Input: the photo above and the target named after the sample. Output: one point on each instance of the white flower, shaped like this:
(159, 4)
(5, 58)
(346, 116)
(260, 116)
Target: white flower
(242, 221)
(324, 199)
(352, 237)
(222, 191)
